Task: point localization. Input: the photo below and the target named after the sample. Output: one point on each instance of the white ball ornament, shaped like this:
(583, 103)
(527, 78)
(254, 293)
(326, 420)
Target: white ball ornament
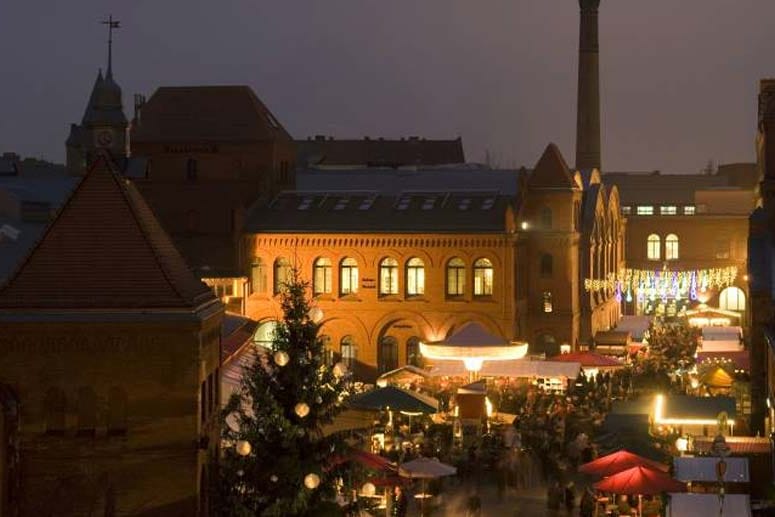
(311, 481)
(301, 409)
(281, 358)
(368, 489)
(273, 478)
(243, 447)
(315, 315)
(340, 370)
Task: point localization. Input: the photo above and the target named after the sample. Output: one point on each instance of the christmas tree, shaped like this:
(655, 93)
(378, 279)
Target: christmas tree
(276, 459)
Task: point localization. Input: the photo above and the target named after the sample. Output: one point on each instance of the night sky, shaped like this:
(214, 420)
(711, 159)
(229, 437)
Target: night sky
(678, 78)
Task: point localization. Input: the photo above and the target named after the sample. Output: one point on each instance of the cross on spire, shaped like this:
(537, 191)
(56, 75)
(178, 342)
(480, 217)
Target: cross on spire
(112, 24)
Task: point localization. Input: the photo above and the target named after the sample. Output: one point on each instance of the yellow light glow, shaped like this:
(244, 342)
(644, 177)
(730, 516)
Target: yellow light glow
(474, 356)
(488, 406)
(659, 406)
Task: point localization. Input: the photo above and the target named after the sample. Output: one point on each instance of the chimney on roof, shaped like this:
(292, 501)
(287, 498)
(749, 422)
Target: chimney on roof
(414, 138)
(320, 138)
(139, 103)
(588, 102)
(366, 138)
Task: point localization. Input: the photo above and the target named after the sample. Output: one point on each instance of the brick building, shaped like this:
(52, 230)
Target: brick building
(110, 362)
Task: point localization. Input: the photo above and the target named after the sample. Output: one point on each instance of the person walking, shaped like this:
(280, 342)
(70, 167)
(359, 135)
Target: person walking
(400, 504)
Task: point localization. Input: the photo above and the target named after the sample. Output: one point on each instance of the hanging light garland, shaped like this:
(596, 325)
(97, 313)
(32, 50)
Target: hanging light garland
(652, 284)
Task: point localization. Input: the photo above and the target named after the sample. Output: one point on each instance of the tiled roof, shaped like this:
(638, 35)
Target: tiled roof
(371, 212)
(742, 445)
(206, 113)
(104, 250)
(552, 171)
(379, 152)
(661, 189)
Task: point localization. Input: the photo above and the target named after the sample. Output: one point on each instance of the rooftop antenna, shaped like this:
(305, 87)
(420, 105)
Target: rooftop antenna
(112, 24)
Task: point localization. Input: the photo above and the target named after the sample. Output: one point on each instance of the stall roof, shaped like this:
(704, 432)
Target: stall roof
(740, 358)
(589, 359)
(741, 445)
(613, 338)
(636, 325)
(703, 468)
(703, 505)
(721, 333)
(691, 408)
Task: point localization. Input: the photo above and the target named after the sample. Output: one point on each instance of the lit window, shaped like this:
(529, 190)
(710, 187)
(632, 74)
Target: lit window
(668, 210)
(258, 276)
(546, 265)
(349, 351)
(732, 299)
(305, 203)
(546, 218)
(415, 277)
(388, 276)
(645, 210)
(321, 276)
(689, 210)
(348, 276)
(428, 203)
(483, 277)
(547, 302)
(671, 247)
(626, 210)
(341, 203)
(282, 274)
(488, 203)
(456, 277)
(653, 247)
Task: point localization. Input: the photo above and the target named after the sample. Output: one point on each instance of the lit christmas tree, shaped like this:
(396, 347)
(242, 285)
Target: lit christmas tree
(277, 460)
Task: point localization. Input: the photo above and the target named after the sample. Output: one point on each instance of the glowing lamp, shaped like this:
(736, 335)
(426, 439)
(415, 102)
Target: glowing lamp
(368, 489)
(682, 444)
(565, 348)
(524, 225)
(281, 358)
(315, 315)
(243, 447)
(301, 409)
(311, 481)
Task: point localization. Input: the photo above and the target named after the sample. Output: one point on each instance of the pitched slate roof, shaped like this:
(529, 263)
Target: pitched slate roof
(552, 171)
(206, 113)
(661, 189)
(104, 250)
(374, 212)
(379, 152)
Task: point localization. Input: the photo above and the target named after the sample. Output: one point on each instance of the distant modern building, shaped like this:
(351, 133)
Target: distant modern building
(327, 152)
(110, 369)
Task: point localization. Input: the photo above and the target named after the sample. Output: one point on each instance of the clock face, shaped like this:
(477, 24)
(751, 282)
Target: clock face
(104, 138)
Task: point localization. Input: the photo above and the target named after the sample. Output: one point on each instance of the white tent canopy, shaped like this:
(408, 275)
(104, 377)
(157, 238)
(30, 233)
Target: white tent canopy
(512, 368)
(703, 505)
(704, 469)
(721, 333)
(635, 325)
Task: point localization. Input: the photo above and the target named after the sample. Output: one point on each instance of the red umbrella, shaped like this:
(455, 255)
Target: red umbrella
(618, 461)
(589, 359)
(640, 480)
(373, 461)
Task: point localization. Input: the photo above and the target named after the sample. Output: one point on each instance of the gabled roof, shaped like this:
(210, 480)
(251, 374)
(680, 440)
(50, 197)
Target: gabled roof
(104, 250)
(552, 171)
(206, 113)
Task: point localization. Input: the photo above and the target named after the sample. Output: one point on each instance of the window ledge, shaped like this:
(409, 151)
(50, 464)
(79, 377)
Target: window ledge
(416, 298)
(389, 298)
(484, 298)
(324, 297)
(351, 297)
(460, 298)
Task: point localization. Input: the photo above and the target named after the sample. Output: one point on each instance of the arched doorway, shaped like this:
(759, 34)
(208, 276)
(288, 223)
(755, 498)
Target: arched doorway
(545, 344)
(387, 354)
(732, 299)
(264, 334)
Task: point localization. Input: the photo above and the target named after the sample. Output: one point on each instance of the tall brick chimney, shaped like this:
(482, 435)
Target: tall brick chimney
(588, 107)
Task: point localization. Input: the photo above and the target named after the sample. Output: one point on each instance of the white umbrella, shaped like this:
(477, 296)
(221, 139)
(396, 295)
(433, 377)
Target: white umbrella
(426, 468)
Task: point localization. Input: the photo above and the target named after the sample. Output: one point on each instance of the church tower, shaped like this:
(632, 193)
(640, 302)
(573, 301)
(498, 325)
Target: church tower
(104, 125)
(588, 107)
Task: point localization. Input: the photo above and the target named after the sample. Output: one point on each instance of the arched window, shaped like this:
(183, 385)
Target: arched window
(321, 276)
(456, 277)
(117, 411)
(483, 277)
(348, 276)
(265, 334)
(653, 247)
(415, 277)
(546, 344)
(671, 247)
(191, 169)
(329, 353)
(388, 276)
(55, 407)
(413, 356)
(282, 274)
(258, 276)
(87, 412)
(546, 218)
(547, 265)
(546, 304)
(388, 354)
(732, 299)
(349, 351)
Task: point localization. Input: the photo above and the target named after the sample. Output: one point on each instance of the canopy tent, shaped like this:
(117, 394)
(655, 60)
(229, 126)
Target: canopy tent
(349, 419)
(704, 316)
(721, 339)
(426, 468)
(640, 480)
(614, 342)
(473, 345)
(703, 505)
(635, 325)
(740, 358)
(395, 399)
(717, 378)
(404, 375)
(703, 468)
(590, 359)
(617, 462)
(515, 369)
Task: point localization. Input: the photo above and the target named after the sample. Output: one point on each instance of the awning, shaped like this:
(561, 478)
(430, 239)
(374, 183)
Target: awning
(396, 399)
(515, 368)
(717, 378)
(705, 505)
(739, 445)
(703, 468)
(740, 358)
(635, 325)
(613, 338)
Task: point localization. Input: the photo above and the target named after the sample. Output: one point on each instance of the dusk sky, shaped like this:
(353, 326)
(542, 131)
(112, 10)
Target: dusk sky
(679, 78)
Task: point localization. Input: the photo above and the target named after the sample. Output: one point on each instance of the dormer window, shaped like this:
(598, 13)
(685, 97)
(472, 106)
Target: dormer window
(305, 203)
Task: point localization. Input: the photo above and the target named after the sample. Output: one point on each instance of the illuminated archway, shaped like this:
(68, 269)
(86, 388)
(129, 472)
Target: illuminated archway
(732, 299)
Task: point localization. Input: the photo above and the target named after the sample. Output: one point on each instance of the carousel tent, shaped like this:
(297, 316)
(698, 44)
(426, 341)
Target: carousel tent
(474, 346)
(513, 368)
(703, 505)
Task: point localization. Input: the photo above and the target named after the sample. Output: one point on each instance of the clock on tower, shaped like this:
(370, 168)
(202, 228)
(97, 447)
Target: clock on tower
(103, 138)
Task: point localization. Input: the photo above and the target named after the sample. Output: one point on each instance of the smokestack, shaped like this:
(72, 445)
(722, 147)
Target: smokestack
(588, 108)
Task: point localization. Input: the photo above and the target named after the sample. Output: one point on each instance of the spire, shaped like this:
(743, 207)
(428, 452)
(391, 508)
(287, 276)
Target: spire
(588, 107)
(112, 24)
